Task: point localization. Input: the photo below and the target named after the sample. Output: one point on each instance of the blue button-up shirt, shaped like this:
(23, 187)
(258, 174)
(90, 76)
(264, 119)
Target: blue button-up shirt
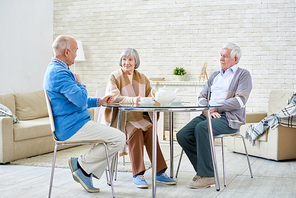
(220, 86)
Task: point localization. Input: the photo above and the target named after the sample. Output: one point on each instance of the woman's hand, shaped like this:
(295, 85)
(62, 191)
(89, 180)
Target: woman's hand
(106, 100)
(138, 99)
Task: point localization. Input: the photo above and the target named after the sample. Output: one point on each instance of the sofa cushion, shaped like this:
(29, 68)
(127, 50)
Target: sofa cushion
(29, 129)
(278, 99)
(7, 99)
(30, 105)
(255, 116)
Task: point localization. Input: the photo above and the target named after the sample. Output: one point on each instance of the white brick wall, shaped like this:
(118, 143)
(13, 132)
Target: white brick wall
(184, 33)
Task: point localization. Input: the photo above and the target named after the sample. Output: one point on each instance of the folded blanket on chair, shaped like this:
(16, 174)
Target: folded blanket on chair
(285, 117)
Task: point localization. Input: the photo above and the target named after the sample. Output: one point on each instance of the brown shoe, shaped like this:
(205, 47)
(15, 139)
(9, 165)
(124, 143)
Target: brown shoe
(202, 182)
(196, 177)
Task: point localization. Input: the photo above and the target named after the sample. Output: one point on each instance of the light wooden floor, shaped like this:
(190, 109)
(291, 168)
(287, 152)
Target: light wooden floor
(271, 179)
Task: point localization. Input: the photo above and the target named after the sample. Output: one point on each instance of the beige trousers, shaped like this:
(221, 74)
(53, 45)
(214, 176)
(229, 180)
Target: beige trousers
(95, 161)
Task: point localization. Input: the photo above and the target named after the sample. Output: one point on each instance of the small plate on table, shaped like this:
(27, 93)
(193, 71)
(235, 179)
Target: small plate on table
(174, 103)
(146, 103)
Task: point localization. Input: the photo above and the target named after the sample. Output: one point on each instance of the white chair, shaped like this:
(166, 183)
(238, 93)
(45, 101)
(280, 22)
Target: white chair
(57, 143)
(100, 92)
(223, 163)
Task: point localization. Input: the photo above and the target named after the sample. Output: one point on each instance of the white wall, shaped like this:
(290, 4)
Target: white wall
(26, 35)
(185, 33)
(166, 34)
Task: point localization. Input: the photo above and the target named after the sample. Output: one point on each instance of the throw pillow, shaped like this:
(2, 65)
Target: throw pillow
(4, 111)
(30, 105)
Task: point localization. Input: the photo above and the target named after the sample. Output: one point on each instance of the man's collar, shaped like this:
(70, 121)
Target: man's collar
(232, 68)
(54, 59)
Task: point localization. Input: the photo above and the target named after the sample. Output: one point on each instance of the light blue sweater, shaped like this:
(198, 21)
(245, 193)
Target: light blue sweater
(68, 99)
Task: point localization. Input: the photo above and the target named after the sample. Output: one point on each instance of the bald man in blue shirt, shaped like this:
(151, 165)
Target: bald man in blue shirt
(69, 102)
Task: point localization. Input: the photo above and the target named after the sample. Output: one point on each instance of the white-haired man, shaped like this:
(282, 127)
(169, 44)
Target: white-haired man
(229, 89)
(69, 102)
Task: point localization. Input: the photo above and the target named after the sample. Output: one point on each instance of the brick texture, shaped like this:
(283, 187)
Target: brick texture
(184, 33)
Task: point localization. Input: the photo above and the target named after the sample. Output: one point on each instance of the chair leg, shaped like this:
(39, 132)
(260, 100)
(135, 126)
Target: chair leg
(52, 169)
(113, 166)
(110, 170)
(107, 177)
(116, 165)
(223, 162)
(247, 156)
(181, 155)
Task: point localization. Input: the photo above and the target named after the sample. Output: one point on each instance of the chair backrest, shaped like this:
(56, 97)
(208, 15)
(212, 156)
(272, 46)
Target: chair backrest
(99, 93)
(50, 113)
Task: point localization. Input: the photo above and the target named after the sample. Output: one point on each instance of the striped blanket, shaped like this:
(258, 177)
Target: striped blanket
(285, 117)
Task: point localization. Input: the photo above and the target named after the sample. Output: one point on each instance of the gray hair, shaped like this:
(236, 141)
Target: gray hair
(235, 50)
(60, 44)
(133, 53)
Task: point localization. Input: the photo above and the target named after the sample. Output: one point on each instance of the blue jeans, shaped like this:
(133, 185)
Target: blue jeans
(194, 139)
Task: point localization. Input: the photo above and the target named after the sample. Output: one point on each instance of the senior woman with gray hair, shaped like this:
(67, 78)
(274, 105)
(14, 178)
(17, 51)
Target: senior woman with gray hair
(127, 85)
(228, 89)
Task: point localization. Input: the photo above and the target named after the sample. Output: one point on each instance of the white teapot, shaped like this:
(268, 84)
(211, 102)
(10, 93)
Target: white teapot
(165, 96)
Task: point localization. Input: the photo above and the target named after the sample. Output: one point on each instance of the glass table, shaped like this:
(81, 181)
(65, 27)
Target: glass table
(174, 107)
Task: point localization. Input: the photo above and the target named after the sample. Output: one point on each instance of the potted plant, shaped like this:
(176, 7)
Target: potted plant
(179, 72)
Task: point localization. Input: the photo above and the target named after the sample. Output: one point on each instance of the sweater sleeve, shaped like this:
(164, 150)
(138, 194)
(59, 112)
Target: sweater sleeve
(75, 92)
(93, 102)
(238, 93)
(205, 94)
(113, 89)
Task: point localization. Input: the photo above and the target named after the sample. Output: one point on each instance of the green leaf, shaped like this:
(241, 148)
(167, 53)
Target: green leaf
(179, 71)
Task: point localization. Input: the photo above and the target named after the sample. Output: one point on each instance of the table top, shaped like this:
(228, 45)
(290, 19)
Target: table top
(180, 106)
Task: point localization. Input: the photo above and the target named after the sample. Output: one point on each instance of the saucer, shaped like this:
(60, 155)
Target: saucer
(147, 103)
(179, 102)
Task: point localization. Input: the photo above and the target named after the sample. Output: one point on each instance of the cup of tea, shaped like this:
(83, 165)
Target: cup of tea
(146, 100)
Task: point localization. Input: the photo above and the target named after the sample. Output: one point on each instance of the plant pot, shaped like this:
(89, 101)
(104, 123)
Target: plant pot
(179, 77)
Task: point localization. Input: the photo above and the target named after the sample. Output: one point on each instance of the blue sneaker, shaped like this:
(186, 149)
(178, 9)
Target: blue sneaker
(163, 178)
(73, 166)
(140, 182)
(85, 181)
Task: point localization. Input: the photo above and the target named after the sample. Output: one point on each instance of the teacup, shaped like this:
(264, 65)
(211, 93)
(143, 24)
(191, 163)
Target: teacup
(178, 99)
(146, 99)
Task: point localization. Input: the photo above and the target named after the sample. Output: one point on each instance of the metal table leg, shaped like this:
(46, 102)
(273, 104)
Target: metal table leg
(154, 157)
(171, 144)
(119, 119)
(213, 150)
(118, 127)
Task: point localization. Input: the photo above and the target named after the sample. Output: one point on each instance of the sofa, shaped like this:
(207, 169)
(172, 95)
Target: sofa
(32, 134)
(275, 144)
